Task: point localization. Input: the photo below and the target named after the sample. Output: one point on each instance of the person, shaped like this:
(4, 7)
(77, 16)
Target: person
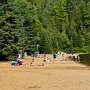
(48, 59)
(63, 56)
(78, 58)
(75, 56)
(19, 56)
(44, 54)
(33, 62)
(44, 59)
(71, 56)
(20, 61)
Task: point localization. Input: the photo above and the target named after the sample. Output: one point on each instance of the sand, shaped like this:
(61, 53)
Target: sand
(54, 75)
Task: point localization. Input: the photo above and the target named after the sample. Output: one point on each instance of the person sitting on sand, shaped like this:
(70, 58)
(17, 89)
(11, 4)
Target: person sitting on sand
(33, 62)
(19, 61)
(44, 59)
(48, 59)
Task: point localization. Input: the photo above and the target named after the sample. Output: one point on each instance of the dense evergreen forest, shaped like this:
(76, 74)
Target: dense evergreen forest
(53, 25)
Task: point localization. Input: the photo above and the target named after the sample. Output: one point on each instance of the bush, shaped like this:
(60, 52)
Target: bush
(78, 50)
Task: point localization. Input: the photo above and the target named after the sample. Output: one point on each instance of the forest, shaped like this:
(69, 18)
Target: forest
(53, 25)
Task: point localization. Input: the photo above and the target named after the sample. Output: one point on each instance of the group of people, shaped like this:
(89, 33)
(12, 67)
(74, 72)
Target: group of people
(62, 54)
(75, 57)
(18, 61)
(33, 63)
(45, 59)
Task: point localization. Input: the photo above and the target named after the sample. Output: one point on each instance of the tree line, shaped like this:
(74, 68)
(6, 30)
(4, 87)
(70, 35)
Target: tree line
(53, 25)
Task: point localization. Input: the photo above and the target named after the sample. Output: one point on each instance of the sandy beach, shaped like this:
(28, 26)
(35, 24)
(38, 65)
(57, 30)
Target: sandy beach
(57, 74)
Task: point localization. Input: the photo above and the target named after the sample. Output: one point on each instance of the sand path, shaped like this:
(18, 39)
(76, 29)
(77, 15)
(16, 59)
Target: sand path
(54, 75)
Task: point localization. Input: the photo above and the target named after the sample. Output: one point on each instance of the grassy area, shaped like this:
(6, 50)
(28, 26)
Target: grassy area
(85, 59)
(87, 48)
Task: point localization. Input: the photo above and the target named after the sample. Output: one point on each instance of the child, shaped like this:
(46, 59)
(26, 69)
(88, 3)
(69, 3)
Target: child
(33, 62)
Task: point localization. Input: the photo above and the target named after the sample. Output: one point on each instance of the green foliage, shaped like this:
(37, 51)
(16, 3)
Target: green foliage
(88, 38)
(45, 45)
(52, 24)
(8, 38)
(87, 48)
(78, 50)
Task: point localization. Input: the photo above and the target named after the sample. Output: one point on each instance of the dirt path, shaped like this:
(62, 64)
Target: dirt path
(54, 75)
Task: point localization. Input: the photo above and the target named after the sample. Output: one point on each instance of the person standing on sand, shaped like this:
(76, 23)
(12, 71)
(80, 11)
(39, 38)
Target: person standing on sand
(63, 57)
(44, 54)
(75, 57)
